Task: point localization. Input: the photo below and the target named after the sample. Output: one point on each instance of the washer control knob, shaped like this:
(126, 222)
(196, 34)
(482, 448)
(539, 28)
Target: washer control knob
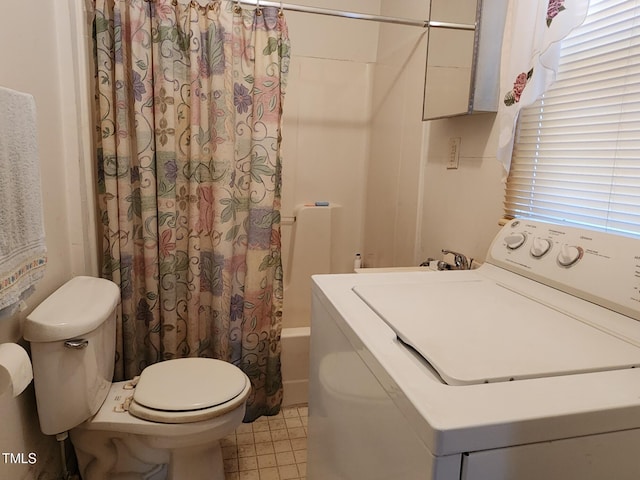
(569, 255)
(540, 247)
(515, 240)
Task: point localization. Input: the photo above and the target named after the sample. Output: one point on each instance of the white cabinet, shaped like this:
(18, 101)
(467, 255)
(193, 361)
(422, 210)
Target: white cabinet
(463, 66)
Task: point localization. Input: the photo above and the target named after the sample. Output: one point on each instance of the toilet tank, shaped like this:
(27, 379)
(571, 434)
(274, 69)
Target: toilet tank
(72, 337)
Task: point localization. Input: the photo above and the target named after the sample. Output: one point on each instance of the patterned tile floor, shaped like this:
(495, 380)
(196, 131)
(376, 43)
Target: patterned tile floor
(271, 448)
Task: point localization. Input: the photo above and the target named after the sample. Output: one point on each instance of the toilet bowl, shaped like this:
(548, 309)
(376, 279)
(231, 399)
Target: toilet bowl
(176, 442)
(165, 424)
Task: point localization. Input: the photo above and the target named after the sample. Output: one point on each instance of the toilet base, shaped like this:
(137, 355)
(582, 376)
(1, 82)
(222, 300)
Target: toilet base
(116, 445)
(111, 455)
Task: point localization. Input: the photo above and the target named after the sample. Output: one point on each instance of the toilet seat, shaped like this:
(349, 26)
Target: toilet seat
(188, 390)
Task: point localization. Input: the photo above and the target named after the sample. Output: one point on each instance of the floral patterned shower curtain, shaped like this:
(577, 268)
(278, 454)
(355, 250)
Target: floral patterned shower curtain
(188, 103)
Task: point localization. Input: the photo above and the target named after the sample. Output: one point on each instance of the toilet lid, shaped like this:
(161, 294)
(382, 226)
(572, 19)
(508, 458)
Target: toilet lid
(187, 384)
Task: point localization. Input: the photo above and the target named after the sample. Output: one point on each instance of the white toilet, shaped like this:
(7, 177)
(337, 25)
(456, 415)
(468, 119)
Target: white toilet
(165, 424)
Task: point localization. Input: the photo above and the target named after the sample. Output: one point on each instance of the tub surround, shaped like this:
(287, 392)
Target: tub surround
(309, 246)
(295, 365)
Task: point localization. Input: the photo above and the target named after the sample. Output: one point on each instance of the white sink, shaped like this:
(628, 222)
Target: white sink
(394, 269)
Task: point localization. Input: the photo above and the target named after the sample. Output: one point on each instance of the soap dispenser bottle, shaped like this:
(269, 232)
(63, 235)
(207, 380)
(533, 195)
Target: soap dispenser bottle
(357, 262)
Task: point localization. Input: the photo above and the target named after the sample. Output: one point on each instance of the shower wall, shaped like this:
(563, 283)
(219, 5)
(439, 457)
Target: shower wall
(326, 114)
(325, 154)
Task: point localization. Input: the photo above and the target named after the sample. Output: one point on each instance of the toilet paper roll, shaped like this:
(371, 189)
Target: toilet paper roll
(15, 369)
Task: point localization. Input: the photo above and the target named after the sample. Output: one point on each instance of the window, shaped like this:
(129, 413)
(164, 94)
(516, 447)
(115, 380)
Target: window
(577, 150)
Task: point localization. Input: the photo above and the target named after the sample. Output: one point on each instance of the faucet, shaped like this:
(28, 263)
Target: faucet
(440, 264)
(461, 262)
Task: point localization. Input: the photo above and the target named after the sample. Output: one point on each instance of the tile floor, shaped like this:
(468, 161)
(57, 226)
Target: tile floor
(271, 448)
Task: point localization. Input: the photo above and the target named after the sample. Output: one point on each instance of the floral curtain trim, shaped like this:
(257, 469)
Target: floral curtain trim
(530, 52)
(189, 106)
(553, 9)
(514, 95)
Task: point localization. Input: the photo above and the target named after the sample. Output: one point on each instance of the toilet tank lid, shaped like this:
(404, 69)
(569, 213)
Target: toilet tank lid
(76, 308)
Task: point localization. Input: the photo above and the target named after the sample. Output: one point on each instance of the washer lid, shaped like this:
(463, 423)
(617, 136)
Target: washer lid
(186, 384)
(478, 331)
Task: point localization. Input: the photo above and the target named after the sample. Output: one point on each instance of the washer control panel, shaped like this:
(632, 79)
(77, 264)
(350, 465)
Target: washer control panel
(601, 267)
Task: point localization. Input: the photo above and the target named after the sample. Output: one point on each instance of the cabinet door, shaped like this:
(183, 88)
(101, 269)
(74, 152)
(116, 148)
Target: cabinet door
(463, 57)
(450, 53)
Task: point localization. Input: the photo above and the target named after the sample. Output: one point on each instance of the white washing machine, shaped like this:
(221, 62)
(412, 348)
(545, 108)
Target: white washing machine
(524, 369)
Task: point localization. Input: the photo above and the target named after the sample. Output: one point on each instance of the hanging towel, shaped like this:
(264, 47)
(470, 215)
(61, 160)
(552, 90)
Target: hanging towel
(22, 246)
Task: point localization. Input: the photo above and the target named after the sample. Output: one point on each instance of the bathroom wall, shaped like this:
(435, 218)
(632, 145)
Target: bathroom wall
(326, 113)
(415, 205)
(39, 55)
(461, 207)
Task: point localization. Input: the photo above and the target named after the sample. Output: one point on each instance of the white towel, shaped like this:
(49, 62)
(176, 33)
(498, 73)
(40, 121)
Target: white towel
(22, 246)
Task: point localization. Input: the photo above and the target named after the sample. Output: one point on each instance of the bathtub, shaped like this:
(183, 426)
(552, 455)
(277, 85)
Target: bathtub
(295, 364)
(306, 250)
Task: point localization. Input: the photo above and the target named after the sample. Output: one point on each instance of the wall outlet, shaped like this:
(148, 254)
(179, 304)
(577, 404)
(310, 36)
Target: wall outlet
(454, 153)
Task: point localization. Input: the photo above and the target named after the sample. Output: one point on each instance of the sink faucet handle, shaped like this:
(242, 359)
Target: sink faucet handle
(461, 261)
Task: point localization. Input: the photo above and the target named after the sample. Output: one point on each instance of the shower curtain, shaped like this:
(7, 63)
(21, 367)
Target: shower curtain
(188, 105)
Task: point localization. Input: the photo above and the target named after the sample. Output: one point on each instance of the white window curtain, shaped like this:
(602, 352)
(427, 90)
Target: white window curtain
(577, 152)
(530, 55)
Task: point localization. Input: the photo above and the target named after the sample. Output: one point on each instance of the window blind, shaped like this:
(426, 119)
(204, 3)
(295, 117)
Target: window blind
(577, 150)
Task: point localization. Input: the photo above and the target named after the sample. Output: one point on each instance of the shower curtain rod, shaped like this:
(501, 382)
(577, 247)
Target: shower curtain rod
(361, 16)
